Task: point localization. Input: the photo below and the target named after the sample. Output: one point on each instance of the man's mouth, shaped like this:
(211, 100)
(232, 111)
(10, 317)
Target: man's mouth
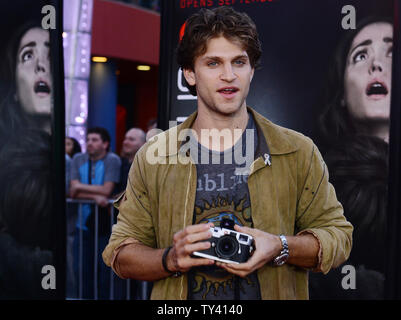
(376, 89)
(42, 88)
(228, 91)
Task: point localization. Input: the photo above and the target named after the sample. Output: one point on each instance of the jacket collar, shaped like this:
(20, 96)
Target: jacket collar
(273, 136)
(278, 141)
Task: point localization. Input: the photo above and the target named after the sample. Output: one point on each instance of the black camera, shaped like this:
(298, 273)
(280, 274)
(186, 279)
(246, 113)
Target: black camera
(228, 245)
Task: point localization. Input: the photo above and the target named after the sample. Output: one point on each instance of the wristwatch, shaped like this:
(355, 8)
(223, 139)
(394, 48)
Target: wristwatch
(284, 254)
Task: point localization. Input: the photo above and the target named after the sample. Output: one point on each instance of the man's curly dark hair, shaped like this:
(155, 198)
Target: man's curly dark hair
(207, 24)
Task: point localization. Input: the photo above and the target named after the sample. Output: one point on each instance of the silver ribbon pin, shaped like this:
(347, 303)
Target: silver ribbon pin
(267, 159)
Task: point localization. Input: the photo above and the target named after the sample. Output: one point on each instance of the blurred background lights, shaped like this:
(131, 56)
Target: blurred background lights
(77, 22)
(143, 68)
(79, 120)
(99, 59)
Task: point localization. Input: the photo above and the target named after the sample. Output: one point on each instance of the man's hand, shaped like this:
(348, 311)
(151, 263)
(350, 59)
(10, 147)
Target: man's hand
(75, 188)
(185, 242)
(267, 247)
(101, 201)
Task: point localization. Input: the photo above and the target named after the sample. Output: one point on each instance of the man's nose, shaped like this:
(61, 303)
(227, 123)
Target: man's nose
(228, 73)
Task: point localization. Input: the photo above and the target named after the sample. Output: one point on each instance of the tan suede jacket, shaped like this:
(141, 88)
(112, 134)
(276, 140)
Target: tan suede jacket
(290, 194)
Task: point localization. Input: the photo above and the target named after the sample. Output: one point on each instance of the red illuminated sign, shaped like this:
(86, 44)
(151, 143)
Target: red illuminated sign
(209, 3)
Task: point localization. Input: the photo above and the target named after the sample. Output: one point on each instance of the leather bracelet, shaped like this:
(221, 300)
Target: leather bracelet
(164, 260)
(164, 263)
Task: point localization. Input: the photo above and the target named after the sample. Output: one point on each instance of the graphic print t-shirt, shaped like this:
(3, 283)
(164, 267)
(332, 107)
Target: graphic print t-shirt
(222, 192)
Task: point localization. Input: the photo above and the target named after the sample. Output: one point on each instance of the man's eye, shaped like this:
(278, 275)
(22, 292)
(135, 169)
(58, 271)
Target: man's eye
(212, 64)
(362, 55)
(239, 62)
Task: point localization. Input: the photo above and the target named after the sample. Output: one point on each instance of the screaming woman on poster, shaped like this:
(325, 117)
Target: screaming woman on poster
(355, 129)
(25, 164)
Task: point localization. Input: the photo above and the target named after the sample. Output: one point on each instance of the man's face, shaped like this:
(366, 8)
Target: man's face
(69, 146)
(222, 76)
(95, 146)
(133, 141)
(33, 77)
(367, 79)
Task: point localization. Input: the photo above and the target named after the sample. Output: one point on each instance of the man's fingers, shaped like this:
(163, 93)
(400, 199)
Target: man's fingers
(195, 237)
(198, 227)
(241, 268)
(246, 230)
(196, 262)
(228, 268)
(188, 249)
(192, 229)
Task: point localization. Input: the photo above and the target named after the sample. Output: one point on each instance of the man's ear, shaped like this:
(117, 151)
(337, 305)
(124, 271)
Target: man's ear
(107, 145)
(189, 76)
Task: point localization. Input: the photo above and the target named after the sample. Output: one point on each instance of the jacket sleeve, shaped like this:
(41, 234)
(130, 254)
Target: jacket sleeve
(134, 219)
(321, 214)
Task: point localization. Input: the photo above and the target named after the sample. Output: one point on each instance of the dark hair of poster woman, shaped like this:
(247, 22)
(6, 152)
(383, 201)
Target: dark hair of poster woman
(354, 127)
(25, 164)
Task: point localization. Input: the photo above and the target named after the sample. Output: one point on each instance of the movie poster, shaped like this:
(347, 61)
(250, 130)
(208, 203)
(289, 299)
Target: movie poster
(31, 151)
(325, 72)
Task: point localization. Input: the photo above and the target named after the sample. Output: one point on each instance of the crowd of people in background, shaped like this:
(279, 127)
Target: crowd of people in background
(99, 175)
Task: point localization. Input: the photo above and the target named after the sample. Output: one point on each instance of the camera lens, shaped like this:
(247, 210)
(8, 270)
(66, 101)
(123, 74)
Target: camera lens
(226, 247)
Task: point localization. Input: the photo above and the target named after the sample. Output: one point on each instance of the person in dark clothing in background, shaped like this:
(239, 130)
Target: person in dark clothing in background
(94, 175)
(134, 139)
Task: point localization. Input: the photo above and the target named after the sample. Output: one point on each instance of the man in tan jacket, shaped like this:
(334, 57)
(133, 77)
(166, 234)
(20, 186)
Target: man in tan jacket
(271, 181)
